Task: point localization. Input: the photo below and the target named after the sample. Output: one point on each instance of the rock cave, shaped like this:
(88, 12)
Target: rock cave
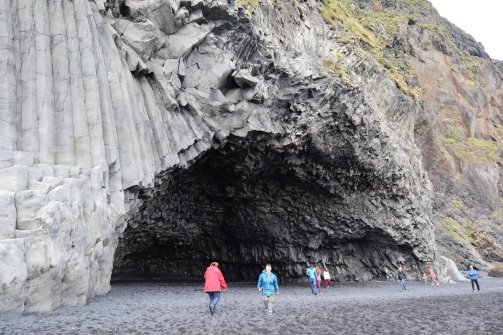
(145, 146)
(261, 199)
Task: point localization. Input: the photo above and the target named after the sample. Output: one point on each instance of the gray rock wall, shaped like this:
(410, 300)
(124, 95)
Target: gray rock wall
(114, 114)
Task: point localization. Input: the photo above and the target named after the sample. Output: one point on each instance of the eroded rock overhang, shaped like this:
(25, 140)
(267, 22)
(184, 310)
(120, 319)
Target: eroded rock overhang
(121, 105)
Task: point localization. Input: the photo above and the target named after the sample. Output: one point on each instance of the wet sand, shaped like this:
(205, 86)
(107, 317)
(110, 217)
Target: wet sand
(350, 308)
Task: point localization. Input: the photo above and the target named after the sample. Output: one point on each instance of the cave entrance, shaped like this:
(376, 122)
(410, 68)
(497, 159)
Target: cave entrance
(233, 205)
(248, 202)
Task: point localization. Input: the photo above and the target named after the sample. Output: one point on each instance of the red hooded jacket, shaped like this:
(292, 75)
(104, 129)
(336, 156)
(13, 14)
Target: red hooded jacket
(213, 279)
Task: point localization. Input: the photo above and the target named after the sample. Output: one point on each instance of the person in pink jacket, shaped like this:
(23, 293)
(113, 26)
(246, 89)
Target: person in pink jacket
(432, 276)
(213, 283)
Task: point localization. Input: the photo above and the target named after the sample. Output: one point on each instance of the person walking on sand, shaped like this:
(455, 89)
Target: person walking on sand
(432, 276)
(311, 274)
(326, 276)
(473, 277)
(268, 285)
(213, 283)
(318, 279)
(402, 277)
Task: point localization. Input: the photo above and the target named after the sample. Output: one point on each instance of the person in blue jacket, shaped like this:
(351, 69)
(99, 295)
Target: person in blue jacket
(473, 277)
(268, 285)
(311, 273)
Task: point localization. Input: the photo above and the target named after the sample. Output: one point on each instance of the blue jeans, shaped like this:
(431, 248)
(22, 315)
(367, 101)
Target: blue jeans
(312, 283)
(403, 284)
(214, 297)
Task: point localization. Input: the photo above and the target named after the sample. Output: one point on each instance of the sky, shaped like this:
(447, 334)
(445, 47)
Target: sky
(479, 18)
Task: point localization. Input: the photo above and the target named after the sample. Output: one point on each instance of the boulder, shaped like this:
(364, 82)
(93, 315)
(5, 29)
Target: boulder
(157, 11)
(142, 37)
(243, 78)
(184, 40)
(196, 16)
(497, 271)
(203, 71)
(448, 271)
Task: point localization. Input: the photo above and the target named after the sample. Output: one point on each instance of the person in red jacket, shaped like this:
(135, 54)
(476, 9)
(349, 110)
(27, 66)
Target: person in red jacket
(213, 282)
(318, 279)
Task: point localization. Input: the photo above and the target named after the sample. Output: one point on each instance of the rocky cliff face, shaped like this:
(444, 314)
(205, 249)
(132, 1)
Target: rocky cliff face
(458, 128)
(150, 137)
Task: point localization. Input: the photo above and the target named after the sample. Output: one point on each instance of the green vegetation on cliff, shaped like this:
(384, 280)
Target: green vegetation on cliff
(461, 234)
(248, 4)
(336, 12)
(374, 30)
(382, 32)
(471, 150)
(334, 66)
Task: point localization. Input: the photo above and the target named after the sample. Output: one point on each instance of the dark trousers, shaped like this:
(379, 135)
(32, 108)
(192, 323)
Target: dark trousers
(476, 282)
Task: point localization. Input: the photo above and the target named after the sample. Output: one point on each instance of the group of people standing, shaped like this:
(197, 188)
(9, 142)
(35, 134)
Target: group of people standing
(268, 283)
(314, 276)
(429, 274)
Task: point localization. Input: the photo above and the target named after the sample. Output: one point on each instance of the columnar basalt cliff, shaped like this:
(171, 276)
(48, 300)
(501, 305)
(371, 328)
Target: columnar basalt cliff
(147, 137)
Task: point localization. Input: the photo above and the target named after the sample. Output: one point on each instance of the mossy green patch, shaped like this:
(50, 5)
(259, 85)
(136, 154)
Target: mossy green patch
(448, 141)
(333, 65)
(248, 4)
(452, 134)
(470, 150)
(499, 131)
(471, 65)
(474, 150)
(432, 27)
(336, 12)
(455, 230)
(399, 80)
(360, 27)
(457, 204)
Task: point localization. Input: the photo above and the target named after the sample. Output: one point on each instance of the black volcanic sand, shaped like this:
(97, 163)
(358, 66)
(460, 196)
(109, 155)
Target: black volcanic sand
(350, 308)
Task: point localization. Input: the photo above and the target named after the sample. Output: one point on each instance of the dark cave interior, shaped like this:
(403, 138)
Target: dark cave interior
(250, 202)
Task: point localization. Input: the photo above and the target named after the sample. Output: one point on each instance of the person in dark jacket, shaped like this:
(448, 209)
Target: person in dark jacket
(473, 277)
(213, 283)
(268, 285)
(402, 277)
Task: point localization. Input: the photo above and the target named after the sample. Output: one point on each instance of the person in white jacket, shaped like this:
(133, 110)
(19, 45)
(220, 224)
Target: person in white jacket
(326, 276)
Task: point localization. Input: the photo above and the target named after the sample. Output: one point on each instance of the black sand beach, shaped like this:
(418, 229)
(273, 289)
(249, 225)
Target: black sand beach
(350, 308)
